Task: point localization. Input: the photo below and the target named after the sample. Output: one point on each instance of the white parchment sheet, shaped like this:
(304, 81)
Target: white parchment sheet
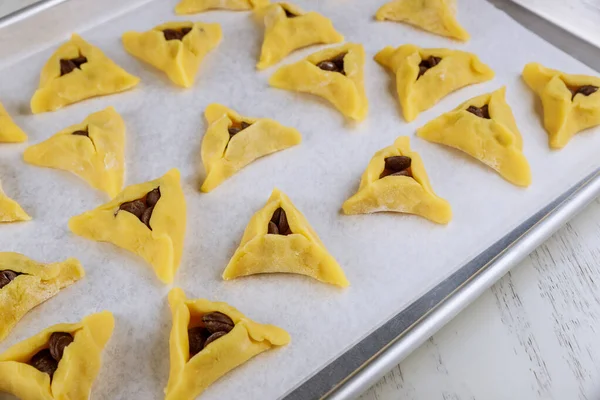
(390, 259)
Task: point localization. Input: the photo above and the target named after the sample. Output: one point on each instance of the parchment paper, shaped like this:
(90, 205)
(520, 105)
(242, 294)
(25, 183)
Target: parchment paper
(390, 259)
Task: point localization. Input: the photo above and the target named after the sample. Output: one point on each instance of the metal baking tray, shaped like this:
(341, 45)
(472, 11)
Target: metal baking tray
(364, 362)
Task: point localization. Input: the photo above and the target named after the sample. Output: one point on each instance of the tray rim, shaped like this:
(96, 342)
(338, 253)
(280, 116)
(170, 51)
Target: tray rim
(438, 306)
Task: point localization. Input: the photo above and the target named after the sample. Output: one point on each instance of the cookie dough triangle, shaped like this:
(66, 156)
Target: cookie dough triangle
(279, 239)
(9, 131)
(336, 74)
(61, 362)
(571, 102)
(395, 180)
(425, 76)
(484, 128)
(94, 150)
(147, 219)
(197, 6)
(176, 48)
(25, 284)
(10, 210)
(436, 16)
(288, 28)
(232, 141)
(209, 339)
(77, 71)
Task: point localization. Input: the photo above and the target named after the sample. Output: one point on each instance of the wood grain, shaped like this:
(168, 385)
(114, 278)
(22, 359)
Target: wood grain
(533, 335)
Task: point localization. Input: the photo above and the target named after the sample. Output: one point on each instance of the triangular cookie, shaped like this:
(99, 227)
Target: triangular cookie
(77, 71)
(425, 76)
(10, 210)
(147, 219)
(176, 48)
(93, 150)
(571, 102)
(232, 141)
(9, 131)
(25, 284)
(436, 16)
(209, 339)
(288, 28)
(280, 239)
(336, 74)
(484, 128)
(395, 180)
(61, 362)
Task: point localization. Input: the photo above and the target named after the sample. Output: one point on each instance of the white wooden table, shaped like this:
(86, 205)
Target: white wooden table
(533, 335)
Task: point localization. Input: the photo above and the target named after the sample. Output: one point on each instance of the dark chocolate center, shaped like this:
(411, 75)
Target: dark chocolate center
(278, 225)
(47, 360)
(67, 66)
(216, 325)
(397, 166)
(586, 90)
(427, 64)
(142, 208)
(481, 112)
(335, 64)
(7, 276)
(176, 34)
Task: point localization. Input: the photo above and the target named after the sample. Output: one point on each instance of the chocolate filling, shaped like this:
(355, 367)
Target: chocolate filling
(142, 208)
(278, 225)
(67, 66)
(397, 166)
(482, 112)
(176, 34)
(427, 64)
(335, 64)
(586, 90)
(7, 276)
(216, 325)
(47, 360)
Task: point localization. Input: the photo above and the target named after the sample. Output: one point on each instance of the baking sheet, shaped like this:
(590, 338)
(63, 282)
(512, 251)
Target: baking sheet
(390, 259)
(578, 17)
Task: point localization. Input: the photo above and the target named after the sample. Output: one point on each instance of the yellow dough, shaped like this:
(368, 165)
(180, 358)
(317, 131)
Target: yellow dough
(300, 252)
(437, 16)
(344, 90)
(98, 158)
(455, 70)
(178, 58)
(77, 370)
(404, 194)
(9, 131)
(189, 377)
(10, 210)
(98, 76)
(566, 111)
(495, 141)
(223, 156)
(285, 34)
(161, 244)
(196, 6)
(37, 283)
